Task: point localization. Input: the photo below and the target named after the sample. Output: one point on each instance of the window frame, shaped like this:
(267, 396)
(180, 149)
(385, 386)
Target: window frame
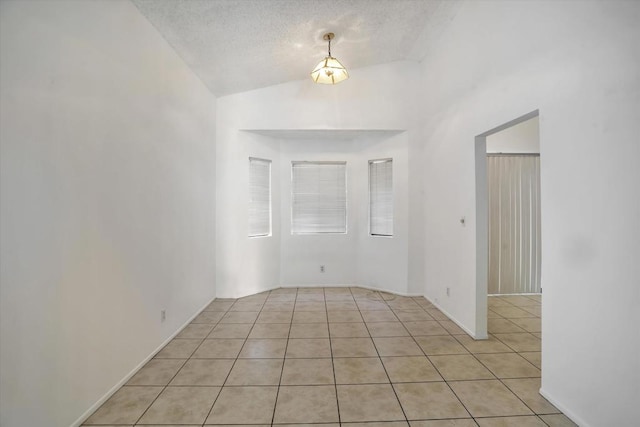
(346, 198)
(369, 193)
(270, 209)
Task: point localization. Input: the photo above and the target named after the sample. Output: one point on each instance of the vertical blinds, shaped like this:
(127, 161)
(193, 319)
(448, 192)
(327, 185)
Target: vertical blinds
(318, 197)
(259, 197)
(514, 223)
(381, 197)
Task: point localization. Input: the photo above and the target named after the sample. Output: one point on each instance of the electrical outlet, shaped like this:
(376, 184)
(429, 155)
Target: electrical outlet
(448, 291)
(163, 315)
(322, 269)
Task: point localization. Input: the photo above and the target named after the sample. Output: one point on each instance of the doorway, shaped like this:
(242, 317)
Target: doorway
(507, 217)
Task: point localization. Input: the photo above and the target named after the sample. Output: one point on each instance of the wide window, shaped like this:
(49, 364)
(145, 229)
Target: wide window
(259, 197)
(318, 197)
(381, 197)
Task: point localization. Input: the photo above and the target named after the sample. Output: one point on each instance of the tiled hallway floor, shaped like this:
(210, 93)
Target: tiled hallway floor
(341, 356)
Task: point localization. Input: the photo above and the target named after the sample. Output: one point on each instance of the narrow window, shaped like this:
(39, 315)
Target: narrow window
(259, 197)
(381, 197)
(318, 197)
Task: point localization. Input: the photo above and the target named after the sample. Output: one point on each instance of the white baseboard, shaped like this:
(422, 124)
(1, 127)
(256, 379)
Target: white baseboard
(567, 412)
(402, 294)
(127, 377)
(454, 320)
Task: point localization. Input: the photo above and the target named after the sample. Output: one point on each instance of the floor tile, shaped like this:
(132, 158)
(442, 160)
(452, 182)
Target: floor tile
(528, 390)
(520, 342)
(491, 345)
(387, 329)
(246, 306)
(353, 347)
(278, 306)
(309, 317)
(344, 316)
(529, 324)
(502, 326)
(157, 372)
(255, 372)
(377, 424)
(371, 305)
(410, 369)
(525, 421)
(308, 348)
(310, 306)
(270, 330)
(378, 316)
(511, 312)
(196, 330)
(275, 317)
(219, 349)
(219, 306)
(257, 405)
(412, 315)
(488, 398)
(208, 317)
(348, 330)
(306, 404)
(309, 330)
(397, 346)
(468, 422)
(559, 420)
(203, 372)
(435, 345)
(125, 406)
(425, 327)
(341, 305)
(436, 314)
(424, 401)
(239, 317)
(264, 349)
(357, 370)
(534, 357)
(375, 402)
(307, 372)
(451, 327)
(509, 365)
(181, 405)
(179, 348)
(460, 367)
(231, 330)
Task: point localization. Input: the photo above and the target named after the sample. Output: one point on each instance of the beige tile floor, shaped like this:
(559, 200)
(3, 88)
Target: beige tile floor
(341, 356)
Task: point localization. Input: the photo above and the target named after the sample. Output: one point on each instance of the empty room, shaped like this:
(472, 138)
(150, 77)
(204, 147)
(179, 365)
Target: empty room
(357, 213)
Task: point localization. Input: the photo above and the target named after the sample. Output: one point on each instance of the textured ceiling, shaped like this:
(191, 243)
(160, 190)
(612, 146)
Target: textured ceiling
(239, 45)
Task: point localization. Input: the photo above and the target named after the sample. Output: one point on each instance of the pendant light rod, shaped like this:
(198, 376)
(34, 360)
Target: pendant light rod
(329, 37)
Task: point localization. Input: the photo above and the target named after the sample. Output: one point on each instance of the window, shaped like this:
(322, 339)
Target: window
(259, 197)
(381, 197)
(318, 197)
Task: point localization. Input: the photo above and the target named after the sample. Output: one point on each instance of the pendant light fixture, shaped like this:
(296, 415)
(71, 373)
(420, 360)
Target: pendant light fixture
(329, 71)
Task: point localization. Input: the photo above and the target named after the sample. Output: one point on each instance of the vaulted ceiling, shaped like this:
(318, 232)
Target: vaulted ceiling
(239, 45)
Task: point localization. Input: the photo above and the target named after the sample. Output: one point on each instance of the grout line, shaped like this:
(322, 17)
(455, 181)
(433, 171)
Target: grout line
(284, 360)
(333, 366)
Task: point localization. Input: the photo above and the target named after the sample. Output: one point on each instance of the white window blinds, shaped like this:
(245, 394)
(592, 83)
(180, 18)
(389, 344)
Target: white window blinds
(381, 197)
(259, 197)
(318, 197)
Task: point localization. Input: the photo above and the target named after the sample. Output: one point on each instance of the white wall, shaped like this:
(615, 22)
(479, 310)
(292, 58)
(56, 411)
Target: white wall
(107, 202)
(355, 257)
(521, 138)
(577, 63)
(374, 99)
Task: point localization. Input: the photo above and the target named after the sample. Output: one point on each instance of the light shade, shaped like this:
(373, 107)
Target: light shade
(329, 71)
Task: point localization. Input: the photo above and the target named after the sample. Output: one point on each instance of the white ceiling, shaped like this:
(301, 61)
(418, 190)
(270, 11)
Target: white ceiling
(239, 45)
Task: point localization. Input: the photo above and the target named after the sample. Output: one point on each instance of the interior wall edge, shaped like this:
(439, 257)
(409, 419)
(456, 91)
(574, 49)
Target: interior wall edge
(123, 381)
(475, 336)
(565, 410)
